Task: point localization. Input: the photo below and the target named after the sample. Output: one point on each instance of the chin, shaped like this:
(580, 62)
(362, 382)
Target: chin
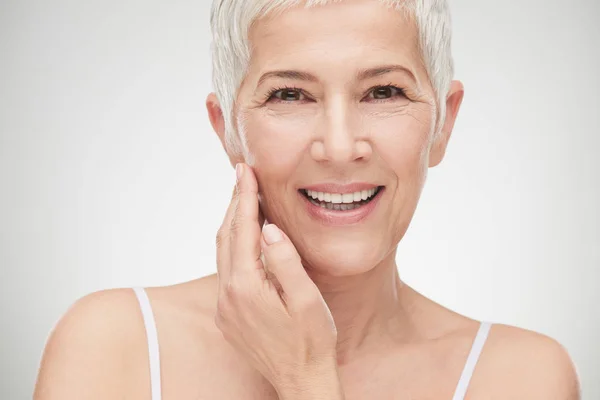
(343, 255)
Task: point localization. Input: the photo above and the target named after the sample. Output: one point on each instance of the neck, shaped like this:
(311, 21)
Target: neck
(368, 309)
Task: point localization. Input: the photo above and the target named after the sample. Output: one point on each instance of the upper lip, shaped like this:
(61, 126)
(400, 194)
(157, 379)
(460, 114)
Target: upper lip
(332, 187)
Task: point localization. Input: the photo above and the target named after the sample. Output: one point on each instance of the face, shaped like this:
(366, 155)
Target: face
(340, 143)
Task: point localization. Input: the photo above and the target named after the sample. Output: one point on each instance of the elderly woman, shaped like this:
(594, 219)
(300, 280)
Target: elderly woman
(331, 113)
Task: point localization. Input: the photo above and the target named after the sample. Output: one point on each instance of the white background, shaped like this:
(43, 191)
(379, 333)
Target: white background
(111, 176)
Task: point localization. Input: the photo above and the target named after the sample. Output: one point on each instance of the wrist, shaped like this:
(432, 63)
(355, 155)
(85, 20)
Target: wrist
(320, 383)
(333, 392)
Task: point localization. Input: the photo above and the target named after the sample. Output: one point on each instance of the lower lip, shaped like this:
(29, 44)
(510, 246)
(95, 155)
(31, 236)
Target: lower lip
(341, 217)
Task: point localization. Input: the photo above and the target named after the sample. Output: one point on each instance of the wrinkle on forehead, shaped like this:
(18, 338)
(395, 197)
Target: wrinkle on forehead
(275, 38)
(269, 27)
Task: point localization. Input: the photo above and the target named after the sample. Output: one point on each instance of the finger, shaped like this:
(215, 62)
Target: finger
(283, 261)
(261, 216)
(223, 258)
(268, 274)
(245, 227)
(261, 200)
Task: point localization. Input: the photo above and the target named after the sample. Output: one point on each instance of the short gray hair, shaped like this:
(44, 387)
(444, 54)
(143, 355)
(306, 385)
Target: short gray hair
(230, 21)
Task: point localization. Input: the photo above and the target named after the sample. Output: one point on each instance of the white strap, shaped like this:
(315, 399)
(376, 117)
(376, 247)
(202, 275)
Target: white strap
(152, 338)
(467, 373)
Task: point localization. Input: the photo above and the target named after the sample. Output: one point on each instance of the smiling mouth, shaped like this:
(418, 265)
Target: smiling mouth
(339, 201)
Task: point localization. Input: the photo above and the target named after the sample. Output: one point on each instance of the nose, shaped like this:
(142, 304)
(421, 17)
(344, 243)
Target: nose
(340, 139)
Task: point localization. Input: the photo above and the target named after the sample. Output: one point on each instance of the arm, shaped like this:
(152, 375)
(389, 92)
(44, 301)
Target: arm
(86, 353)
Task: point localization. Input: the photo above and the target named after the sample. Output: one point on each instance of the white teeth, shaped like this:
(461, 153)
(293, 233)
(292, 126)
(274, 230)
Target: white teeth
(341, 198)
(347, 198)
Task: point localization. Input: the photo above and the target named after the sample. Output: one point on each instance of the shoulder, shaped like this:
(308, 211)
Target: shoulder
(99, 348)
(520, 363)
(94, 348)
(186, 308)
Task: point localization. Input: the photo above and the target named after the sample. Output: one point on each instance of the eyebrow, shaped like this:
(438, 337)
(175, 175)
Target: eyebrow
(362, 74)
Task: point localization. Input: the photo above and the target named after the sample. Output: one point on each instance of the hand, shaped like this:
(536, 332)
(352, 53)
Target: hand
(285, 327)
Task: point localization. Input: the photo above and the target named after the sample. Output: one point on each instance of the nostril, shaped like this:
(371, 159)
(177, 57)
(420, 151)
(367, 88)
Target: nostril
(363, 150)
(317, 151)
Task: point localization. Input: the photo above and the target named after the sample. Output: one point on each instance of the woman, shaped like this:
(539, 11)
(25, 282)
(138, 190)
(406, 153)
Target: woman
(332, 114)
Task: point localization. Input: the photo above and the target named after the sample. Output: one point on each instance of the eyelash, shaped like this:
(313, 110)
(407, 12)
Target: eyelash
(292, 88)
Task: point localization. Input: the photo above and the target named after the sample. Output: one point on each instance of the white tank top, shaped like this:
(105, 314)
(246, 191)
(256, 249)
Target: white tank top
(154, 357)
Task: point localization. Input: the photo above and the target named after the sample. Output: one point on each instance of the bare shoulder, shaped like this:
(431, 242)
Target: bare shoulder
(186, 308)
(95, 350)
(185, 318)
(196, 360)
(523, 364)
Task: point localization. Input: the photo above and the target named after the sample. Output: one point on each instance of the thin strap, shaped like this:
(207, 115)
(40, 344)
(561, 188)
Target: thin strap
(152, 338)
(467, 373)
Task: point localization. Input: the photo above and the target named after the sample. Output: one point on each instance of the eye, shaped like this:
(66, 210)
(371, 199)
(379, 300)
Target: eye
(285, 94)
(291, 94)
(379, 93)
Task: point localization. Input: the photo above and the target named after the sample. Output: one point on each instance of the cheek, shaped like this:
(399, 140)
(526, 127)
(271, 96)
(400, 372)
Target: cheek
(402, 143)
(277, 147)
(277, 142)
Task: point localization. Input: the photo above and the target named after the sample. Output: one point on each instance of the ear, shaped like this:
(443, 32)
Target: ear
(215, 115)
(453, 101)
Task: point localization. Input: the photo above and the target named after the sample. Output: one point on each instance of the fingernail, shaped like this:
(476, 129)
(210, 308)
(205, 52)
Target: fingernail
(239, 169)
(272, 234)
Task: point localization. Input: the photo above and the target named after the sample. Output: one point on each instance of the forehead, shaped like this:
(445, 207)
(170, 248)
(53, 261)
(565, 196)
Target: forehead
(349, 32)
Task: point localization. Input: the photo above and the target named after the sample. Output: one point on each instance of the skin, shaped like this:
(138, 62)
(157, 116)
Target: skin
(388, 341)
(285, 330)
